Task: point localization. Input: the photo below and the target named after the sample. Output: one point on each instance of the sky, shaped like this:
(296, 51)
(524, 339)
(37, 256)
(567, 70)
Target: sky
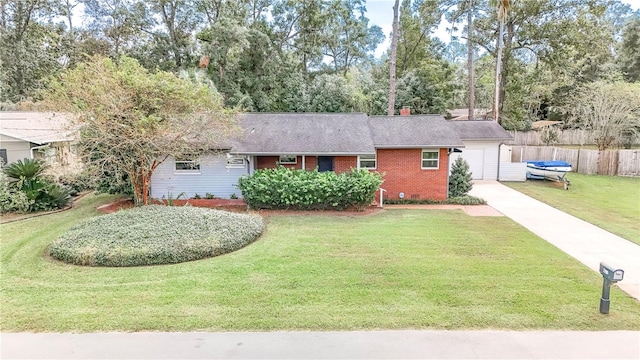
(380, 12)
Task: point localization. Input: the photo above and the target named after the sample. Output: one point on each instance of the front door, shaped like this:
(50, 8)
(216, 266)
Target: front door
(325, 163)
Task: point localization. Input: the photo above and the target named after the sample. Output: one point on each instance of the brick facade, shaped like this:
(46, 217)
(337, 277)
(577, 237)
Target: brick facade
(344, 163)
(402, 169)
(403, 173)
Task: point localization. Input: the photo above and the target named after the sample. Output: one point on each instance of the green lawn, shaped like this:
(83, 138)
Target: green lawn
(399, 269)
(610, 202)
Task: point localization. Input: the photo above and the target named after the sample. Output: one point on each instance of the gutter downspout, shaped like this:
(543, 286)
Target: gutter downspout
(449, 150)
(499, 154)
(35, 148)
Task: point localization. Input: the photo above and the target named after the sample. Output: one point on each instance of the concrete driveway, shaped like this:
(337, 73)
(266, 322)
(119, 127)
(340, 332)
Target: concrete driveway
(587, 243)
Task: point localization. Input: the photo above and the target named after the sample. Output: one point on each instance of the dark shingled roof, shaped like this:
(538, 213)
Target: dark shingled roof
(304, 134)
(415, 131)
(480, 130)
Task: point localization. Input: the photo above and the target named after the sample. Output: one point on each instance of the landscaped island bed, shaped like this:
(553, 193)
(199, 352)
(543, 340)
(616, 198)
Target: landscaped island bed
(155, 234)
(396, 269)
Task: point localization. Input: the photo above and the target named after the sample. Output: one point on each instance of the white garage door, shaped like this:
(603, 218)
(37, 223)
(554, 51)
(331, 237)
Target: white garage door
(475, 158)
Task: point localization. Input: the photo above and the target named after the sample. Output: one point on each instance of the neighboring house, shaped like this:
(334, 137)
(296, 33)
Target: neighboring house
(38, 135)
(541, 124)
(482, 140)
(463, 114)
(411, 151)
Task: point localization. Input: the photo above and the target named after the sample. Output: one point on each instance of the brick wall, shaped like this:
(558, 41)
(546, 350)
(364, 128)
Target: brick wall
(310, 162)
(402, 169)
(404, 173)
(269, 162)
(344, 163)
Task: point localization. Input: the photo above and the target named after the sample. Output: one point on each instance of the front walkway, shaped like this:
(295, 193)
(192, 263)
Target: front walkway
(471, 210)
(404, 344)
(587, 243)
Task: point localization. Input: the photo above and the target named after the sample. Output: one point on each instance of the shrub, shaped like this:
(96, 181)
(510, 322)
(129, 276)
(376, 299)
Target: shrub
(77, 182)
(283, 188)
(113, 182)
(460, 178)
(42, 194)
(155, 234)
(11, 199)
(550, 135)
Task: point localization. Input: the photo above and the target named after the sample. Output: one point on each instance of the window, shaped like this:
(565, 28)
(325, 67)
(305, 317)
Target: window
(187, 165)
(430, 159)
(288, 159)
(367, 162)
(235, 162)
(3, 156)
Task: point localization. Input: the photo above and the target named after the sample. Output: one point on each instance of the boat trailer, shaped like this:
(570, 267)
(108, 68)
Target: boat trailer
(556, 178)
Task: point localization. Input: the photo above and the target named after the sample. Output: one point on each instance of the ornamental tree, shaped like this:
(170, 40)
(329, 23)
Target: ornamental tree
(130, 119)
(460, 178)
(610, 111)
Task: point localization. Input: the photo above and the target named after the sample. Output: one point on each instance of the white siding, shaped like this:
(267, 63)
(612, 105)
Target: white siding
(513, 171)
(505, 153)
(16, 149)
(482, 157)
(213, 178)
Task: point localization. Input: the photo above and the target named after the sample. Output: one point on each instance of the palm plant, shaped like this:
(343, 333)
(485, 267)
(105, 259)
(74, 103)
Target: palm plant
(41, 193)
(25, 169)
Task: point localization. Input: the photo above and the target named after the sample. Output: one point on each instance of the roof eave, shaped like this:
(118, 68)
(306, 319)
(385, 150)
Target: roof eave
(304, 153)
(440, 146)
(487, 139)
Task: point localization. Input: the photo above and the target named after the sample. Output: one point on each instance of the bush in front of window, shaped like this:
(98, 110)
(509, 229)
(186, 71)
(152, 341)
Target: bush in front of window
(154, 234)
(283, 188)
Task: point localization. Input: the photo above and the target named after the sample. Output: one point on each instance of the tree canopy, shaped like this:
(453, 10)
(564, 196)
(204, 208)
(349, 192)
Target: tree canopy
(131, 119)
(318, 55)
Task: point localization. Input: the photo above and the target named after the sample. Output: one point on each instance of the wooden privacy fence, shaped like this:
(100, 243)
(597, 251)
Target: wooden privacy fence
(565, 137)
(608, 162)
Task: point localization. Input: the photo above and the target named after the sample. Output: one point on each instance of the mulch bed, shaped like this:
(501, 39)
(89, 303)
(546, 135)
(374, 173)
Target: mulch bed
(237, 205)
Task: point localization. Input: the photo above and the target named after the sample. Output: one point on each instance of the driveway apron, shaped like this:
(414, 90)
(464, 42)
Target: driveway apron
(586, 242)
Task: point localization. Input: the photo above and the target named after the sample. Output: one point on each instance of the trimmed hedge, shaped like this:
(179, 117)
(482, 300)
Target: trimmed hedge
(155, 234)
(283, 188)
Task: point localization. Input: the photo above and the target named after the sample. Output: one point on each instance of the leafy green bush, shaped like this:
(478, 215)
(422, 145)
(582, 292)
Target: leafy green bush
(283, 188)
(12, 199)
(460, 178)
(114, 182)
(78, 182)
(155, 234)
(41, 193)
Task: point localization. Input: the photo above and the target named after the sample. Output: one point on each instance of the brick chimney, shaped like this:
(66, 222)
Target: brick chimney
(405, 111)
